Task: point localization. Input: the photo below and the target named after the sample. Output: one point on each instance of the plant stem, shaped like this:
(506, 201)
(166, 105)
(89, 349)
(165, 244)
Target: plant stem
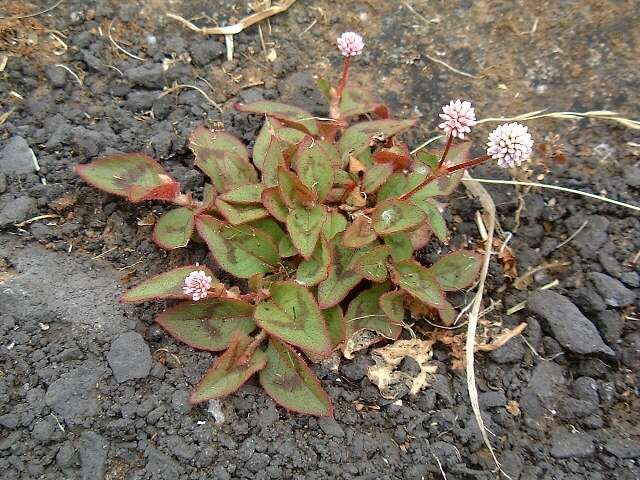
(446, 151)
(467, 164)
(257, 341)
(336, 93)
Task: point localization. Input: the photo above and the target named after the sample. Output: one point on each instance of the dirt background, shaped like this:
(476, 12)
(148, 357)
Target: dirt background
(90, 389)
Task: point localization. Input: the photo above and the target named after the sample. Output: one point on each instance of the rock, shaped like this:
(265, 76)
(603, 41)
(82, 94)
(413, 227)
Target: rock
(585, 388)
(630, 278)
(129, 357)
(331, 427)
(493, 399)
(566, 444)
(510, 352)
(15, 209)
(93, 456)
(16, 157)
(631, 351)
(57, 76)
(569, 326)
(571, 408)
(147, 75)
(588, 300)
(592, 237)
(203, 52)
(611, 324)
(543, 390)
(73, 396)
(180, 401)
(3, 183)
(87, 143)
(10, 420)
(161, 466)
(44, 429)
(623, 447)
(614, 293)
(631, 175)
(66, 455)
(180, 448)
(139, 100)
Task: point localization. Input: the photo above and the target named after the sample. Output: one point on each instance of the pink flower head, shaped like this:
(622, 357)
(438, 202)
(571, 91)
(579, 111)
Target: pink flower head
(350, 44)
(510, 144)
(458, 118)
(196, 284)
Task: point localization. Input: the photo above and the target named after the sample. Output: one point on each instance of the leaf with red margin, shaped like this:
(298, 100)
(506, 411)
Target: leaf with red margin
(375, 176)
(447, 314)
(313, 167)
(418, 282)
(356, 101)
(273, 202)
(133, 175)
(312, 271)
(400, 246)
(364, 312)
(397, 156)
(304, 226)
(294, 193)
(434, 218)
(373, 264)
(164, 286)
(237, 214)
(241, 250)
(174, 228)
(457, 270)
(288, 114)
(292, 315)
(420, 237)
(336, 325)
(250, 193)
(357, 137)
(396, 215)
(208, 323)
(359, 233)
(227, 375)
(223, 158)
(263, 140)
(208, 199)
(333, 224)
(291, 383)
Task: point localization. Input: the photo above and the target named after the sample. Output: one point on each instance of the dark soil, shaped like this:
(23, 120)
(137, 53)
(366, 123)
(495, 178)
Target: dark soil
(90, 389)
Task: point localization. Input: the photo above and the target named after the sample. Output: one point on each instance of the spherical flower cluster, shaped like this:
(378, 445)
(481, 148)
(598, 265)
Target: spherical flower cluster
(350, 44)
(458, 118)
(197, 284)
(510, 144)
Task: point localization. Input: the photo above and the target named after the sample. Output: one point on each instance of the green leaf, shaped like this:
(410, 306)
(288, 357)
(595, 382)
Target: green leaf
(435, 220)
(164, 286)
(418, 282)
(359, 233)
(273, 160)
(356, 101)
(364, 312)
(395, 215)
(251, 193)
(263, 140)
(227, 374)
(333, 224)
(223, 158)
(239, 213)
(209, 323)
(392, 304)
(271, 228)
(358, 137)
(457, 270)
(288, 114)
(304, 226)
(208, 199)
(429, 159)
(174, 228)
(294, 193)
(330, 152)
(273, 202)
(441, 186)
(342, 277)
(400, 246)
(286, 248)
(292, 314)
(376, 176)
(373, 264)
(335, 324)
(291, 383)
(420, 237)
(133, 175)
(447, 314)
(324, 86)
(313, 167)
(400, 183)
(241, 250)
(312, 271)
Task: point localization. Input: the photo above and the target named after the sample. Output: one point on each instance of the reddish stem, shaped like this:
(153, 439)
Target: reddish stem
(446, 151)
(336, 93)
(467, 164)
(245, 358)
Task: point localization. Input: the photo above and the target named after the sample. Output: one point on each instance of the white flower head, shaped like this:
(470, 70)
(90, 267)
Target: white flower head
(510, 144)
(350, 44)
(197, 284)
(458, 118)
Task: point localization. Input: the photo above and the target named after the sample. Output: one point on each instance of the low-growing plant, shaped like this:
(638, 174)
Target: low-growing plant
(323, 221)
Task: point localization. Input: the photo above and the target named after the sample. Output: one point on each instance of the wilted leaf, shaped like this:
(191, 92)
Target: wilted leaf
(294, 193)
(291, 383)
(288, 114)
(164, 286)
(304, 226)
(333, 224)
(373, 264)
(241, 250)
(396, 215)
(292, 314)
(313, 167)
(273, 202)
(133, 175)
(174, 228)
(227, 374)
(457, 270)
(223, 158)
(209, 323)
(312, 271)
(359, 233)
(418, 282)
(240, 213)
(251, 193)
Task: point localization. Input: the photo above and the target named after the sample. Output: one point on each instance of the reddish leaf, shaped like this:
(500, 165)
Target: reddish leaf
(359, 233)
(164, 286)
(273, 202)
(174, 228)
(294, 193)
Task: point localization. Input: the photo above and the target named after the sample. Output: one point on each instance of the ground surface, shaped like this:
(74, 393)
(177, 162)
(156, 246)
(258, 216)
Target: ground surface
(90, 389)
